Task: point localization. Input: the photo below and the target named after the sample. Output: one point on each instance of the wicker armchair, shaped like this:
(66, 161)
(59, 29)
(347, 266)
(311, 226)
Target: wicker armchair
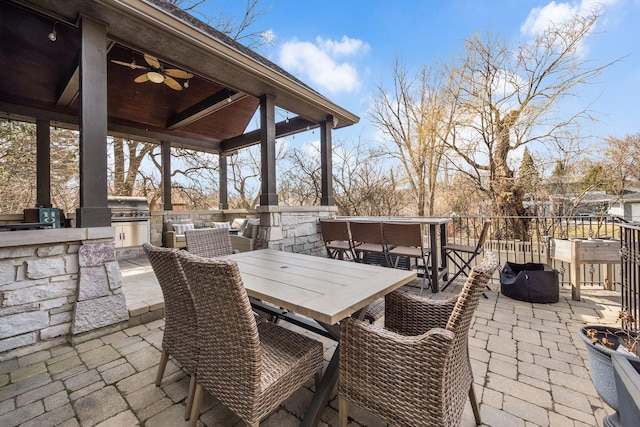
(415, 371)
(180, 339)
(250, 368)
(209, 242)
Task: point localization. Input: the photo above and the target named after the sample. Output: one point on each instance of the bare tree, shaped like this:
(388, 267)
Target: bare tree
(239, 29)
(365, 184)
(510, 97)
(415, 117)
(17, 170)
(623, 157)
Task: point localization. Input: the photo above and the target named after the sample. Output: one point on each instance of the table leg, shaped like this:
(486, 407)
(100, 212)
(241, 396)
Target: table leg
(329, 378)
(575, 281)
(435, 262)
(608, 278)
(323, 392)
(443, 243)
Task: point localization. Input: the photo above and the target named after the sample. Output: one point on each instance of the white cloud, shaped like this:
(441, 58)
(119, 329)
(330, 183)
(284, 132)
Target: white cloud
(345, 47)
(318, 64)
(268, 36)
(540, 18)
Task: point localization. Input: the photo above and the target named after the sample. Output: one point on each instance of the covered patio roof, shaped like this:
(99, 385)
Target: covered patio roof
(40, 77)
(92, 64)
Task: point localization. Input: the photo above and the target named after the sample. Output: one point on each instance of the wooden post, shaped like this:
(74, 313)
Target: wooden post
(575, 269)
(165, 152)
(93, 211)
(268, 150)
(223, 181)
(326, 198)
(43, 163)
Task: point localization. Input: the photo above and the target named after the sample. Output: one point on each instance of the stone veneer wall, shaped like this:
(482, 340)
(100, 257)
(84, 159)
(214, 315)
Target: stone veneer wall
(293, 229)
(57, 284)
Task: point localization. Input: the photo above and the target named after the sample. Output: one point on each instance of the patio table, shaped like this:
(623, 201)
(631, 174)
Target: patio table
(438, 267)
(323, 289)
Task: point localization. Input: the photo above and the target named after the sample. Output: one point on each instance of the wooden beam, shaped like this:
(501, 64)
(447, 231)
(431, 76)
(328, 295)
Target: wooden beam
(268, 196)
(215, 102)
(71, 121)
(223, 182)
(284, 128)
(93, 210)
(326, 197)
(69, 91)
(165, 148)
(43, 164)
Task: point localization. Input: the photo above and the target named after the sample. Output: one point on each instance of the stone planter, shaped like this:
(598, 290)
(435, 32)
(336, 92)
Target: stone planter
(601, 367)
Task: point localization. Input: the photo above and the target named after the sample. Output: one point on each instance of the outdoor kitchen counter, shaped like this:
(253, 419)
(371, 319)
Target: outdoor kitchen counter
(56, 235)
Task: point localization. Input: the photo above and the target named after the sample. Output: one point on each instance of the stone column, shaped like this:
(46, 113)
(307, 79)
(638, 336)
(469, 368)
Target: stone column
(100, 301)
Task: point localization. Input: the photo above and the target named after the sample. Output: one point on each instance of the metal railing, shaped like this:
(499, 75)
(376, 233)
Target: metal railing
(630, 272)
(534, 246)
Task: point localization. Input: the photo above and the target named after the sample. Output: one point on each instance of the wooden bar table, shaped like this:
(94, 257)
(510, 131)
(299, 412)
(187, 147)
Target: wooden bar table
(585, 251)
(438, 267)
(324, 289)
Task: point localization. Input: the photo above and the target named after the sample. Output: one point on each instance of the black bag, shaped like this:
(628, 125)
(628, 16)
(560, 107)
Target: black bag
(530, 282)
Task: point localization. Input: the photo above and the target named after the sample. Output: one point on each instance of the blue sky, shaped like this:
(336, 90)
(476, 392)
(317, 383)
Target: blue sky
(342, 48)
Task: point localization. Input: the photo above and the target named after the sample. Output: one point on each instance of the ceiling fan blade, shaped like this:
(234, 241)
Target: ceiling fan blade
(129, 64)
(172, 83)
(151, 60)
(141, 78)
(174, 72)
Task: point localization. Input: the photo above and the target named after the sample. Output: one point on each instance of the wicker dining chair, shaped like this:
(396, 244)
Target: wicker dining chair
(416, 370)
(209, 242)
(405, 240)
(250, 368)
(180, 338)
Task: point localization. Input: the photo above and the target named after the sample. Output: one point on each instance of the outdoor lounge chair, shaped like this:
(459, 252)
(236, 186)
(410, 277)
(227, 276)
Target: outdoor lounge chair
(463, 255)
(405, 240)
(249, 367)
(180, 338)
(416, 370)
(209, 242)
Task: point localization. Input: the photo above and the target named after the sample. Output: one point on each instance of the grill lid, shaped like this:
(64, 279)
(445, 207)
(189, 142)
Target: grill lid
(126, 207)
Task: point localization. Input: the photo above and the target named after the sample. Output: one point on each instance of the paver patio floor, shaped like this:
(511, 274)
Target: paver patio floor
(529, 367)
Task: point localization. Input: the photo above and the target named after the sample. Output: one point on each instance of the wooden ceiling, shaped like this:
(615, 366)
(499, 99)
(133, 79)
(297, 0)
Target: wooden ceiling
(39, 78)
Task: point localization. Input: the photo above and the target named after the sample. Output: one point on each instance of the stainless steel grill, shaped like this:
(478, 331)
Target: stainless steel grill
(126, 208)
(131, 218)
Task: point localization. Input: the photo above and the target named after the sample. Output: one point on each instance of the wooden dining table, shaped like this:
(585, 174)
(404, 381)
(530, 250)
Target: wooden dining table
(323, 290)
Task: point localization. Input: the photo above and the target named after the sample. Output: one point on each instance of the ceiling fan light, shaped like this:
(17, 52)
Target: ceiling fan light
(155, 77)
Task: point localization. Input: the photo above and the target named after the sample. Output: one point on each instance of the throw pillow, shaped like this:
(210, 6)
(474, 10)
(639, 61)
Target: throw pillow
(181, 228)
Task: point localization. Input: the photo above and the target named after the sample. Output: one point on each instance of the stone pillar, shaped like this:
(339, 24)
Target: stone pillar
(100, 300)
(292, 228)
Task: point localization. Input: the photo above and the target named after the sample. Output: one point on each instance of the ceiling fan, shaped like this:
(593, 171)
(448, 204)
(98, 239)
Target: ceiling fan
(156, 73)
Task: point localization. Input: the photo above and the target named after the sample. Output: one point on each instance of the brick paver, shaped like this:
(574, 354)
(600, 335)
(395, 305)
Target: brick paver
(529, 368)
